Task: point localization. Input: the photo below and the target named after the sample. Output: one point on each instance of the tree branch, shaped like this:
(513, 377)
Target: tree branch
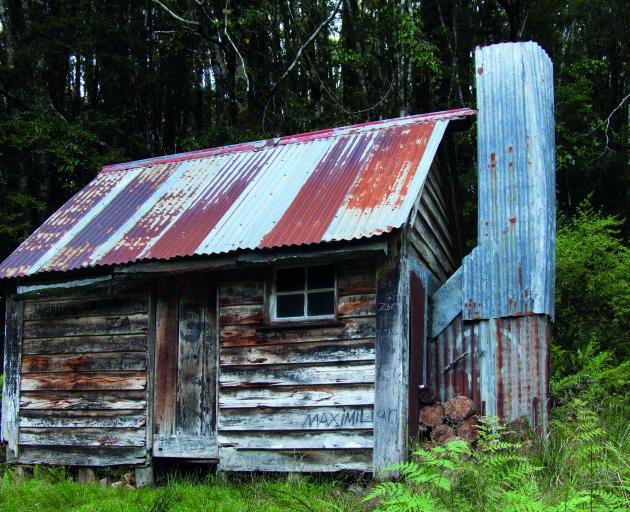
(309, 41)
(225, 31)
(174, 15)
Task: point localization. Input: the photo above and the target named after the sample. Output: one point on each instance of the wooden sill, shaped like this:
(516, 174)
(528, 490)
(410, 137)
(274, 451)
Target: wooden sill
(301, 324)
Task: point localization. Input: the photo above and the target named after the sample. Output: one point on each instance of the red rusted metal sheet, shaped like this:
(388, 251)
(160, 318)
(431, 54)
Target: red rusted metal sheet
(501, 364)
(336, 184)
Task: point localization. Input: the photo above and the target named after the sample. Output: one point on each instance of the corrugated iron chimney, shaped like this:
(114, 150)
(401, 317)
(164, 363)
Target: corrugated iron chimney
(501, 301)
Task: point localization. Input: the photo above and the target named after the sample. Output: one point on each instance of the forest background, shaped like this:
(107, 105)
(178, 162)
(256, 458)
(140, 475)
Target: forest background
(85, 83)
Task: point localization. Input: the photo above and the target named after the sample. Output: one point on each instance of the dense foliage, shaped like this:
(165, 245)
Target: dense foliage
(593, 285)
(583, 467)
(89, 82)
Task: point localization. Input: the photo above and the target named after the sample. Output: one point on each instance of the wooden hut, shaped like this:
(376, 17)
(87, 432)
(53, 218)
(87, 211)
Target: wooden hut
(265, 306)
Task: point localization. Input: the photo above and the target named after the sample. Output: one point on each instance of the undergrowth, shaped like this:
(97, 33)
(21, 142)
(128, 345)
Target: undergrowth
(582, 465)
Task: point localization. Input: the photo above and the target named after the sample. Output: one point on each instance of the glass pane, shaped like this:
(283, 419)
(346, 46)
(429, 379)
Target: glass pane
(289, 305)
(290, 279)
(321, 303)
(321, 277)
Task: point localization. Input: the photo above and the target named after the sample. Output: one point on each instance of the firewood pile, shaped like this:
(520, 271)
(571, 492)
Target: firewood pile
(444, 421)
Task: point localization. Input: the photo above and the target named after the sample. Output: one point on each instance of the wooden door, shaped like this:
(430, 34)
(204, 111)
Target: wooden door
(417, 298)
(185, 369)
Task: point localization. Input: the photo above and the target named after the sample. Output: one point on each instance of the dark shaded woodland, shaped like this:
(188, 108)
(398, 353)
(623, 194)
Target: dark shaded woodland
(87, 83)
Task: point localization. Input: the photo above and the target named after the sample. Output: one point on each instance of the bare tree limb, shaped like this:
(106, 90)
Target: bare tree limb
(298, 55)
(225, 31)
(607, 123)
(309, 41)
(174, 15)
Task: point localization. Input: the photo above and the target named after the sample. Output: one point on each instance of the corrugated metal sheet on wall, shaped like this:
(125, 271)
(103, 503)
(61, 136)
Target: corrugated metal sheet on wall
(502, 364)
(512, 271)
(337, 184)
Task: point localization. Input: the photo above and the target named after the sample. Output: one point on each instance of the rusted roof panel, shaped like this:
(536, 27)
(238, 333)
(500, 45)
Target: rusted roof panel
(337, 184)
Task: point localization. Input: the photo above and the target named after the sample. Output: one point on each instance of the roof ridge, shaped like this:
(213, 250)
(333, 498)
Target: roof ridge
(298, 138)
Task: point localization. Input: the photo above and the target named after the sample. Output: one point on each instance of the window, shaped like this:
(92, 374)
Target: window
(304, 292)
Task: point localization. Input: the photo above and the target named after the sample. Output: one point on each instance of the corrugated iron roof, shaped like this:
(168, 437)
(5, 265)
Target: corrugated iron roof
(337, 184)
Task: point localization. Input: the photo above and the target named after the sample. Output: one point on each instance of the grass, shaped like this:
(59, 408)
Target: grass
(582, 465)
(55, 493)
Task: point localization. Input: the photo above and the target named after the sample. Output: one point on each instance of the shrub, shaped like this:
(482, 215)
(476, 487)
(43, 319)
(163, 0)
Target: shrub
(592, 287)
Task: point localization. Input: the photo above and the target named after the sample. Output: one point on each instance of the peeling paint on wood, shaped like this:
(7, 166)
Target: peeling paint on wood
(81, 344)
(82, 456)
(298, 388)
(84, 381)
(232, 459)
(299, 353)
(297, 440)
(11, 382)
(81, 418)
(82, 437)
(88, 400)
(103, 361)
(297, 418)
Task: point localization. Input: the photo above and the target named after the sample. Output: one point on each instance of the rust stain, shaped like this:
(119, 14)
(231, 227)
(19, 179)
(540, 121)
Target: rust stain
(155, 210)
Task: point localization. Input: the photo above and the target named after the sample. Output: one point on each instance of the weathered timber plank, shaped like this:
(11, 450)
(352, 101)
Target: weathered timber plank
(76, 345)
(433, 235)
(81, 289)
(92, 325)
(298, 374)
(446, 303)
(150, 409)
(298, 440)
(318, 352)
(391, 365)
(297, 418)
(81, 419)
(352, 328)
(104, 361)
(210, 363)
(82, 437)
(115, 305)
(81, 456)
(355, 265)
(191, 356)
(84, 381)
(430, 249)
(185, 447)
(231, 459)
(166, 339)
(241, 292)
(297, 396)
(356, 305)
(436, 191)
(427, 255)
(243, 314)
(11, 381)
(89, 400)
(356, 282)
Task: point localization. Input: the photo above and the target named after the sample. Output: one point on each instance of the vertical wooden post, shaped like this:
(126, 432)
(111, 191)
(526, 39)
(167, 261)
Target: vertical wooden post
(86, 475)
(22, 473)
(151, 347)
(392, 367)
(11, 383)
(144, 476)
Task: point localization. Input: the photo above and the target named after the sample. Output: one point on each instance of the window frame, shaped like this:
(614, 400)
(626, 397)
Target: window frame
(304, 292)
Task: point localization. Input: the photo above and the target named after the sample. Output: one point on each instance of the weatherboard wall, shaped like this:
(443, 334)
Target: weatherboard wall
(83, 378)
(296, 397)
